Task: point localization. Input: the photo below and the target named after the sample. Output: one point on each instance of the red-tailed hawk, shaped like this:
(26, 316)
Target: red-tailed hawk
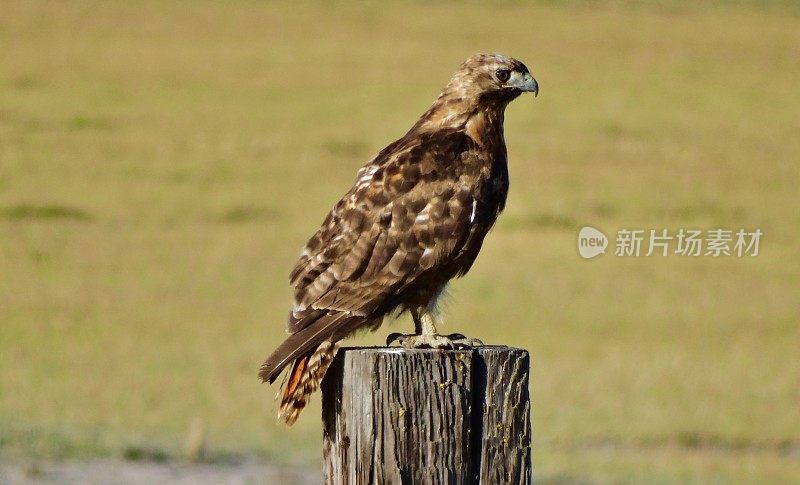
(415, 218)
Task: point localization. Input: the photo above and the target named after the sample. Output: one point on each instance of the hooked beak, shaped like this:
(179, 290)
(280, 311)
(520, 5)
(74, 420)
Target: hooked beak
(529, 84)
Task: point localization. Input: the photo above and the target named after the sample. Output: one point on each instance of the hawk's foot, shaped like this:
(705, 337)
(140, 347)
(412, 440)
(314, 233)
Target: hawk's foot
(433, 341)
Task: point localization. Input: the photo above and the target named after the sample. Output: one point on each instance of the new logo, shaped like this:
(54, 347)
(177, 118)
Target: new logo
(591, 242)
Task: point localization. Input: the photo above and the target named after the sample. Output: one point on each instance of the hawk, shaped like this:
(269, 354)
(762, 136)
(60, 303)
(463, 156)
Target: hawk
(414, 219)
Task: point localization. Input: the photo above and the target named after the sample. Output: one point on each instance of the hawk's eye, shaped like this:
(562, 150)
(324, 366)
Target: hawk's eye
(503, 75)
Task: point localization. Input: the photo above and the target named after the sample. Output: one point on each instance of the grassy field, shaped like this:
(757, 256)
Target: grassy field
(161, 164)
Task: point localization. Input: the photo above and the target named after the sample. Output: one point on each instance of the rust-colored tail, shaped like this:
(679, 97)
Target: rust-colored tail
(309, 350)
(307, 372)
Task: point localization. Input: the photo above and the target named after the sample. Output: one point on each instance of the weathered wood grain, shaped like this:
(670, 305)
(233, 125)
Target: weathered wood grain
(427, 416)
(505, 446)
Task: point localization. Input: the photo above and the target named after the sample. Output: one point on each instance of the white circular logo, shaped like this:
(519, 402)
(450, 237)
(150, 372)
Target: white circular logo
(591, 242)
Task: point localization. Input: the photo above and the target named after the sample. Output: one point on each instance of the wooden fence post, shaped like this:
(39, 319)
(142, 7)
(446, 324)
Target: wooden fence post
(393, 415)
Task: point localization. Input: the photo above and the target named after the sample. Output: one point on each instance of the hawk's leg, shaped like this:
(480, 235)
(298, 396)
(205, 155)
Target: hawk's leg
(426, 335)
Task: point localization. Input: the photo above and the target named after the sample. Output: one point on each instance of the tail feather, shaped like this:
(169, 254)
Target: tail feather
(304, 341)
(305, 377)
(310, 351)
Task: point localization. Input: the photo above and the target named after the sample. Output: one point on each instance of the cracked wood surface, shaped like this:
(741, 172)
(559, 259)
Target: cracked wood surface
(393, 415)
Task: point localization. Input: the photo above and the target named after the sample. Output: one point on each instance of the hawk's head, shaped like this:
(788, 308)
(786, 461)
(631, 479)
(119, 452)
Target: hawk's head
(484, 83)
(489, 77)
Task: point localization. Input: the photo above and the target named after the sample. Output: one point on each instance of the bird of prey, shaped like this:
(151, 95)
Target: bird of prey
(414, 219)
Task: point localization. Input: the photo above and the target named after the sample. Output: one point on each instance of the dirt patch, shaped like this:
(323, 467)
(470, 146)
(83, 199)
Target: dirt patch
(138, 472)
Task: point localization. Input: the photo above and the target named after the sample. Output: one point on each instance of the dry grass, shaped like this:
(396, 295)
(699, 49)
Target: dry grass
(162, 162)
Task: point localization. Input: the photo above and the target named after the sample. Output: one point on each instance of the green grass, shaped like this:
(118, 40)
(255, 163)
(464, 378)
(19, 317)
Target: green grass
(161, 164)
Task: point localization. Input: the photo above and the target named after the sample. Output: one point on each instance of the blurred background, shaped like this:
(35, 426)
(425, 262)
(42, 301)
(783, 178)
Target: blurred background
(162, 163)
